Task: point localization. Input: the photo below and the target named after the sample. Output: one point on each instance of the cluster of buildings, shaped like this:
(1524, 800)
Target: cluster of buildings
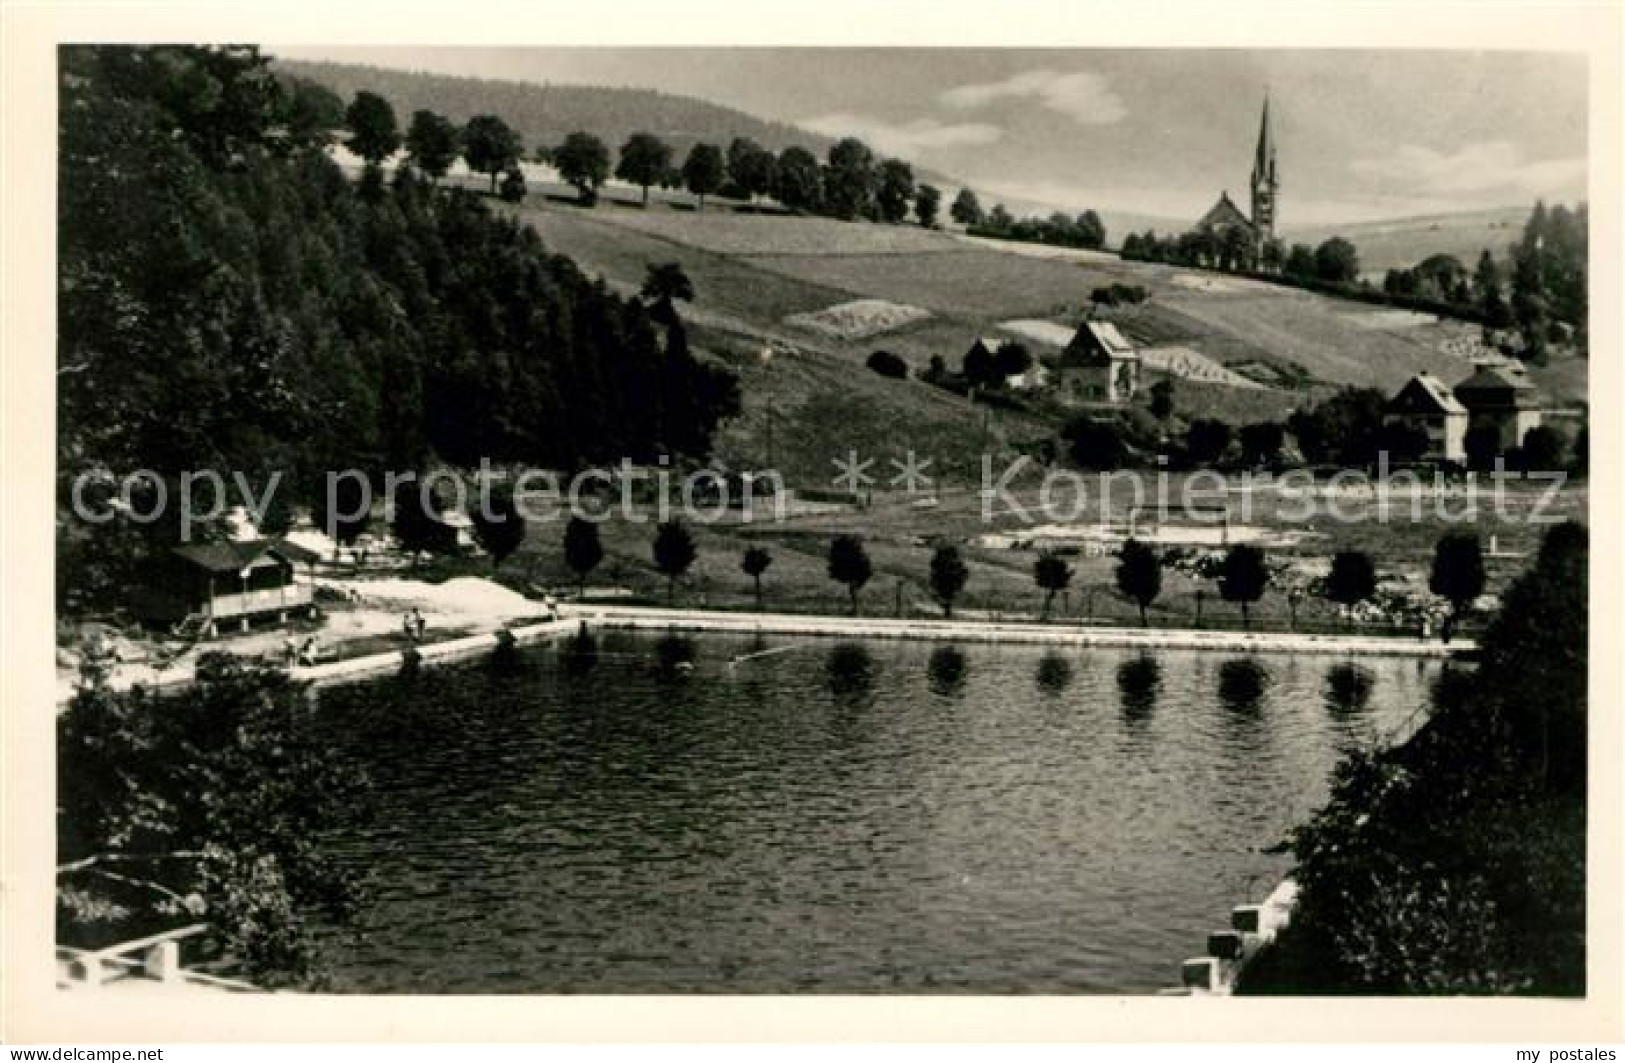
(1498, 399)
(1099, 367)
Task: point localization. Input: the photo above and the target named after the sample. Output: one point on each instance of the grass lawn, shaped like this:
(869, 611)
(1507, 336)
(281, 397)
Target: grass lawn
(899, 538)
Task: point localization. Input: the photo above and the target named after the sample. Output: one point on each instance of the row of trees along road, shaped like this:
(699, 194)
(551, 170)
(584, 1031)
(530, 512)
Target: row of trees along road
(1242, 576)
(852, 182)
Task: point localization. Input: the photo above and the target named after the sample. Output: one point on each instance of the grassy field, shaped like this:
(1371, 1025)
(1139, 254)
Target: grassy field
(759, 269)
(899, 538)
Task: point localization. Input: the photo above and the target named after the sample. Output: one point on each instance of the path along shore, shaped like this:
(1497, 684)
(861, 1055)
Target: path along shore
(642, 618)
(639, 618)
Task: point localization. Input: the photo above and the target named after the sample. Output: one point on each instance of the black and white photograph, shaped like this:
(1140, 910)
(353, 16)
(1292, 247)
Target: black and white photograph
(893, 520)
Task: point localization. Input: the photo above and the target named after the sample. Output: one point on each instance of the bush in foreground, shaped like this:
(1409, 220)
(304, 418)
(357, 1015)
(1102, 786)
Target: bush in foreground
(1456, 862)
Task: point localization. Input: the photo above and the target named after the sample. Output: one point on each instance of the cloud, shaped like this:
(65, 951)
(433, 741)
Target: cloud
(1476, 169)
(1083, 96)
(906, 138)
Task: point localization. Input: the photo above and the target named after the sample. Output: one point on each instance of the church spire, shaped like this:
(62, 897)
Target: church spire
(1264, 157)
(1265, 184)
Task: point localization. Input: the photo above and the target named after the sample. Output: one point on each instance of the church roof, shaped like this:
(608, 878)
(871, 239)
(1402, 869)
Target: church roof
(1224, 215)
(1097, 343)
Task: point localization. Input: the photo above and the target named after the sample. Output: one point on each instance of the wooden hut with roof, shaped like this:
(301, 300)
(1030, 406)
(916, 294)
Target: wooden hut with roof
(239, 581)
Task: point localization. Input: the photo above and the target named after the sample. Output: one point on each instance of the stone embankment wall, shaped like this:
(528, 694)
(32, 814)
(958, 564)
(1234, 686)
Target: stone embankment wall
(1252, 928)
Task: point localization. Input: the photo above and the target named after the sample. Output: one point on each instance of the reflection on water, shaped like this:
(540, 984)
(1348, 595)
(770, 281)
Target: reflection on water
(674, 656)
(947, 671)
(1348, 688)
(1054, 674)
(1139, 679)
(1242, 681)
(580, 653)
(851, 671)
(643, 814)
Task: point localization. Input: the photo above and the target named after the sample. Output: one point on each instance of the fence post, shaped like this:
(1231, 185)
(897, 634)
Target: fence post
(162, 962)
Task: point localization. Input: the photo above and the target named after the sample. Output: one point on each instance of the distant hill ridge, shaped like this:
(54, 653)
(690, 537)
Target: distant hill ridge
(546, 113)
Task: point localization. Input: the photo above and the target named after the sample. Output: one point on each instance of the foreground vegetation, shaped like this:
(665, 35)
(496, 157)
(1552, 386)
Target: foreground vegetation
(1456, 862)
(202, 808)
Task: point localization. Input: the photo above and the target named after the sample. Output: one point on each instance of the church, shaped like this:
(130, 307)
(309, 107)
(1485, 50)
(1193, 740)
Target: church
(1225, 216)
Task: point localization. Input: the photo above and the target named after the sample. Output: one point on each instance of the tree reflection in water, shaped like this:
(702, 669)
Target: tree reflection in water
(580, 654)
(1242, 682)
(1139, 682)
(947, 671)
(851, 674)
(1348, 689)
(674, 657)
(1054, 674)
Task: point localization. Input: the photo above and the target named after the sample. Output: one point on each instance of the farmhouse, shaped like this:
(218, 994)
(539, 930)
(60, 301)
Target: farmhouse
(1098, 366)
(1500, 397)
(1426, 404)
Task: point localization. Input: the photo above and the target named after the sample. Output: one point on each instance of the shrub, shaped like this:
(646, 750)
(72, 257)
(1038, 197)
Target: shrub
(888, 364)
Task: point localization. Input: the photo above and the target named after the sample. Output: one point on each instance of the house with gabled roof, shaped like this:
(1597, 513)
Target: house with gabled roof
(1100, 365)
(1426, 405)
(1500, 397)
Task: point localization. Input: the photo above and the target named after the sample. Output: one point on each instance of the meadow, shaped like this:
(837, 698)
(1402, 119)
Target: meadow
(761, 268)
(899, 537)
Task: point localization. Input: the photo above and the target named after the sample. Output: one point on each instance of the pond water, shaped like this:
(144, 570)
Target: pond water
(644, 814)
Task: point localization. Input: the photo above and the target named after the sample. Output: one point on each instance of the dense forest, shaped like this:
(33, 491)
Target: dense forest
(230, 301)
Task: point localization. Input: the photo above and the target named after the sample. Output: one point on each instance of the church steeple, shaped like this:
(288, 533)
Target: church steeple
(1265, 183)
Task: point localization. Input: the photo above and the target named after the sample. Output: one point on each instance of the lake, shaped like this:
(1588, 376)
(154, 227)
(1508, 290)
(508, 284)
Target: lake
(641, 814)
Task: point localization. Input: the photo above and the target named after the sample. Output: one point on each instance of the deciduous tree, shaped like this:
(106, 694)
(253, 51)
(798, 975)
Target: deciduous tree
(500, 526)
(797, 182)
(374, 134)
(1352, 578)
(674, 553)
(1053, 575)
(894, 190)
(1457, 575)
(966, 209)
(1139, 575)
(1243, 576)
(583, 162)
(849, 565)
(645, 158)
(490, 146)
(927, 201)
(849, 179)
(583, 550)
(433, 141)
(756, 561)
(948, 576)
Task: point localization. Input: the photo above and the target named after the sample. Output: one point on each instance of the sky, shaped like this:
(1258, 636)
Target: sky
(1361, 135)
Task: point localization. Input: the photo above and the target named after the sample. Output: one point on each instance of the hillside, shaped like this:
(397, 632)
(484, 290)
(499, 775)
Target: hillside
(759, 270)
(1403, 242)
(545, 114)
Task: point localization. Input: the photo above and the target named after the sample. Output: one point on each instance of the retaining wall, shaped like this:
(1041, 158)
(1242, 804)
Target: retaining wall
(1252, 928)
(680, 620)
